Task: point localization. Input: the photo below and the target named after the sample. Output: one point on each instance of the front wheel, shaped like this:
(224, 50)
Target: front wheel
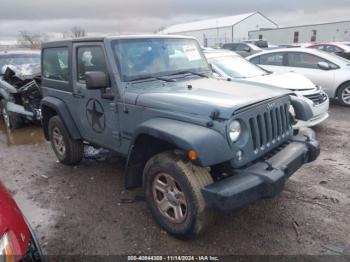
(344, 95)
(67, 150)
(172, 187)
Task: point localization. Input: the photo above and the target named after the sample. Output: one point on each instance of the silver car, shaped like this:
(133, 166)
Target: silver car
(243, 49)
(229, 65)
(330, 72)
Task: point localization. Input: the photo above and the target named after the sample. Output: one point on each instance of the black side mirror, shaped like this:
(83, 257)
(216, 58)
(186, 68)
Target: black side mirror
(247, 49)
(96, 80)
(302, 109)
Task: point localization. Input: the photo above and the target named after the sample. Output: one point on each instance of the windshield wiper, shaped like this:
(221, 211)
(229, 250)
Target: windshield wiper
(154, 78)
(189, 72)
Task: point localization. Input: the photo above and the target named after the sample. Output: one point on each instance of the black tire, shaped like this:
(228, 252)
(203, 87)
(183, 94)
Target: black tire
(344, 92)
(191, 179)
(73, 149)
(11, 120)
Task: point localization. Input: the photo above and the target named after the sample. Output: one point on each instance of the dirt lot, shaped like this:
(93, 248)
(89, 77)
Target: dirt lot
(79, 210)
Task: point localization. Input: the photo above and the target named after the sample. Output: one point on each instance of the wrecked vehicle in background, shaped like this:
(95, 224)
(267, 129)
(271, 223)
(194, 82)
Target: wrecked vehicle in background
(20, 81)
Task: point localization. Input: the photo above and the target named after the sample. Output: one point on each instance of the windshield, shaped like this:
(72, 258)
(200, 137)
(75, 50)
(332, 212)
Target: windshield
(19, 59)
(237, 67)
(152, 57)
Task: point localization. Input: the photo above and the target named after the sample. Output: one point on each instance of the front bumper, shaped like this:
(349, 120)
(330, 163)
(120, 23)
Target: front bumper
(320, 113)
(265, 178)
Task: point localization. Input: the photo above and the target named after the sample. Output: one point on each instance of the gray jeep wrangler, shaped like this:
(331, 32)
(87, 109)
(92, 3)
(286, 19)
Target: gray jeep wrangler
(195, 144)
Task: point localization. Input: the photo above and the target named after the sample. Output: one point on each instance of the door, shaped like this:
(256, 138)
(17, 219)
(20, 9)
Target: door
(98, 119)
(307, 65)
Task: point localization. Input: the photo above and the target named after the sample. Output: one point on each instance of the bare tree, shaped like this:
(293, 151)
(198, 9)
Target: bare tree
(30, 40)
(66, 34)
(159, 29)
(77, 31)
(74, 32)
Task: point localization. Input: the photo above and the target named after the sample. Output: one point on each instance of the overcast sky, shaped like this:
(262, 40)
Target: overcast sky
(138, 16)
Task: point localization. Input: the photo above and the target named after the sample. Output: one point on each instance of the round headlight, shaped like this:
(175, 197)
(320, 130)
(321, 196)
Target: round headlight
(234, 130)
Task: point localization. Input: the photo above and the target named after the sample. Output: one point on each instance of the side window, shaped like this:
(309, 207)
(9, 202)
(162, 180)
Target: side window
(320, 47)
(313, 35)
(55, 63)
(90, 59)
(255, 60)
(234, 47)
(241, 47)
(275, 59)
(296, 37)
(333, 49)
(228, 46)
(304, 60)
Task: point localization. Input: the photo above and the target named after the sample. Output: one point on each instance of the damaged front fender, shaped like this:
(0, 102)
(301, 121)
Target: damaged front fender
(6, 89)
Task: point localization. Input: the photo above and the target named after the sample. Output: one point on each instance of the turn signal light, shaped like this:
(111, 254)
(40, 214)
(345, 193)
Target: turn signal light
(192, 155)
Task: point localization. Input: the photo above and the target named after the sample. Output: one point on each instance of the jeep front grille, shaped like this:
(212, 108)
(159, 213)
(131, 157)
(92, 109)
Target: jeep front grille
(266, 125)
(270, 127)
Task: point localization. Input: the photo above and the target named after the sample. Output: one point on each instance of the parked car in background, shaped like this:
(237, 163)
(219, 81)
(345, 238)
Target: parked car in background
(339, 48)
(258, 42)
(20, 94)
(328, 71)
(229, 65)
(243, 49)
(17, 241)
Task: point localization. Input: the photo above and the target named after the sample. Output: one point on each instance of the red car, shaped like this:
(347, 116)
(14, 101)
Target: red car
(17, 241)
(339, 48)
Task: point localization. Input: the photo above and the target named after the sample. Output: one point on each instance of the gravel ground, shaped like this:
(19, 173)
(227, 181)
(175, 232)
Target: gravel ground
(80, 210)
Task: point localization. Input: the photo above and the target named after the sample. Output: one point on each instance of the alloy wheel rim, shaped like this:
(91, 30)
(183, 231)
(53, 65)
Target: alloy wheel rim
(58, 141)
(6, 118)
(346, 95)
(170, 198)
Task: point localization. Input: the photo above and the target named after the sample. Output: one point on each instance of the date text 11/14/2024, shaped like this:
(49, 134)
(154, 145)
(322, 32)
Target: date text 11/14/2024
(173, 258)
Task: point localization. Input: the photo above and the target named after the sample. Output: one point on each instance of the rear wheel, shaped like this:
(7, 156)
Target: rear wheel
(67, 150)
(344, 95)
(11, 120)
(172, 187)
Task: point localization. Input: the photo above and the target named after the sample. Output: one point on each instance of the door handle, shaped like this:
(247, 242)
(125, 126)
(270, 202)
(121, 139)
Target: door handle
(78, 95)
(106, 93)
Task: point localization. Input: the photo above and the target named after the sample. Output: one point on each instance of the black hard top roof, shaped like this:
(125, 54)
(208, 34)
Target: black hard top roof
(101, 39)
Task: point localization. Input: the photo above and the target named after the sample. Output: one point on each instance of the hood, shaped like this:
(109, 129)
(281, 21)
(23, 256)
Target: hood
(12, 222)
(23, 72)
(206, 95)
(291, 81)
